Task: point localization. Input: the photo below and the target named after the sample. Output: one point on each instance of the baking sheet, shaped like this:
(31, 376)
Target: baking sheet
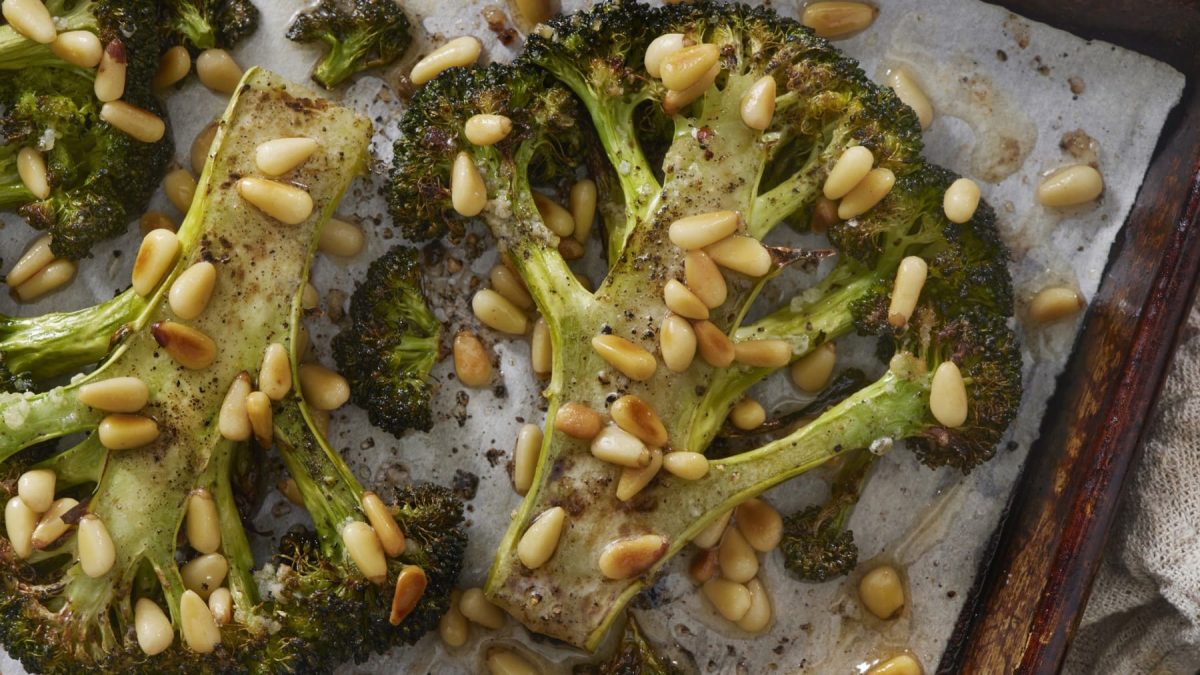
(1006, 91)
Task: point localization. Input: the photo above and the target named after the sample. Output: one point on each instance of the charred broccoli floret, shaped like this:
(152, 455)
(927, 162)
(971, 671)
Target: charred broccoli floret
(816, 543)
(359, 34)
(634, 656)
(205, 24)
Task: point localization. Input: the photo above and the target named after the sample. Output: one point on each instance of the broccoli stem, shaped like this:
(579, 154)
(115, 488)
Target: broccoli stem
(28, 419)
(341, 61)
(234, 544)
(80, 464)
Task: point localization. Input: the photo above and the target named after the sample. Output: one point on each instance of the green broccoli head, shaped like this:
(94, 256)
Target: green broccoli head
(359, 34)
(634, 656)
(815, 547)
(391, 343)
(205, 24)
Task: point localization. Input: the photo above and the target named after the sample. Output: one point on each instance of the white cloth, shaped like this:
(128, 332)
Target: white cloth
(1144, 612)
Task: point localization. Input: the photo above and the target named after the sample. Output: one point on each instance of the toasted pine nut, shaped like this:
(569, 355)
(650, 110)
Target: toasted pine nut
(154, 630)
(570, 249)
(19, 524)
(869, 192)
(31, 168)
(391, 538)
(617, 446)
(1054, 303)
(693, 232)
(140, 124)
(824, 215)
(205, 574)
(677, 343)
(309, 297)
(51, 526)
(674, 101)
(715, 347)
(280, 155)
(180, 188)
(410, 586)
(155, 257)
(218, 71)
(31, 19)
(189, 347)
(341, 238)
(632, 481)
(220, 603)
(948, 395)
(258, 410)
(660, 48)
(683, 67)
(475, 606)
(471, 362)
(910, 93)
(758, 105)
(364, 548)
(711, 535)
(501, 661)
(200, 630)
(174, 65)
(496, 312)
(275, 376)
(51, 277)
(704, 278)
(453, 627)
(461, 51)
(282, 201)
(628, 557)
(881, 592)
(125, 432)
(32, 261)
(763, 353)
(686, 465)
(323, 388)
(1070, 186)
(291, 491)
(487, 129)
(577, 420)
(738, 561)
(202, 146)
(906, 290)
(509, 284)
(635, 416)
(110, 75)
(703, 565)
(741, 254)
(192, 289)
(848, 171)
(961, 200)
(583, 208)
(903, 664)
(95, 547)
(838, 19)
(233, 421)
(683, 301)
(156, 220)
(759, 615)
(812, 371)
(468, 192)
(748, 414)
(633, 361)
(36, 488)
(525, 457)
(203, 524)
(559, 220)
(731, 599)
(115, 394)
(535, 11)
(760, 524)
(541, 349)
(540, 540)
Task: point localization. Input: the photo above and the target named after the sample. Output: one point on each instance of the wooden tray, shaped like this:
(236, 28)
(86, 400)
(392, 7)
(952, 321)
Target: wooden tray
(1031, 590)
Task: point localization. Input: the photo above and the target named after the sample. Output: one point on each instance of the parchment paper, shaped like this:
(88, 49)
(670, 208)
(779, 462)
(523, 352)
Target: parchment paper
(1006, 90)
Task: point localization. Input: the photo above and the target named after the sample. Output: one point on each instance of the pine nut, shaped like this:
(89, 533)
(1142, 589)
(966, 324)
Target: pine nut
(96, 551)
(948, 395)
(258, 410)
(686, 465)
(838, 19)
(284, 202)
(509, 284)
(910, 94)
(365, 550)
(541, 349)
(487, 129)
(906, 290)
(731, 599)
(632, 481)
(309, 298)
(869, 192)
(502, 661)
(703, 565)
(683, 301)
(961, 200)
(704, 278)
(391, 538)
(200, 631)
(154, 630)
(628, 557)
(458, 52)
(291, 491)
(535, 11)
(659, 49)
(232, 421)
(634, 415)
(904, 664)
(31, 168)
(758, 105)
(180, 188)
(824, 215)
(220, 603)
(32, 261)
(189, 347)
(694, 232)
(453, 627)
(141, 125)
(677, 343)
(203, 524)
(51, 526)
(205, 574)
(31, 19)
(715, 347)
(156, 220)
(525, 457)
(758, 616)
(115, 394)
(281, 155)
(125, 432)
(1055, 303)
(174, 65)
(737, 558)
(341, 238)
(540, 540)
(1070, 186)
(570, 249)
(323, 389)
(496, 312)
(684, 67)
(748, 414)
(617, 446)
(475, 606)
(760, 524)
(36, 489)
(711, 535)
(19, 524)
(275, 375)
(410, 586)
(848, 171)
(763, 353)
(675, 101)
(881, 592)
(583, 208)
(192, 289)
(468, 192)
(57, 274)
(577, 420)
(110, 75)
(812, 371)
(202, 146)
(471, 362)
(218, 71)
(155, 257)
(741, 254)
(559, 220)
(633, 361)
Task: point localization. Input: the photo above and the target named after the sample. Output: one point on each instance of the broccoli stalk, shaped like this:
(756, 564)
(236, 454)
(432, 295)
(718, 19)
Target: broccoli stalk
(359, 34)
(634, 656)
(816, 544)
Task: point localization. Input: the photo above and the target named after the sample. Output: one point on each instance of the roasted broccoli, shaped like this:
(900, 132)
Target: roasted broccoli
(634, 656)
(205, 24)
(359, 34)
(391, 343)
(717, 165)
(100, 178)
(816, 543)
(96, 532)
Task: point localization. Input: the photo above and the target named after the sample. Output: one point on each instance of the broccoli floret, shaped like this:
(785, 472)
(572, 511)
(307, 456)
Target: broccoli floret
(391, 343)
(311, 607)
(205, 24)
(359, 34)
(634, 656)
(816, 544)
